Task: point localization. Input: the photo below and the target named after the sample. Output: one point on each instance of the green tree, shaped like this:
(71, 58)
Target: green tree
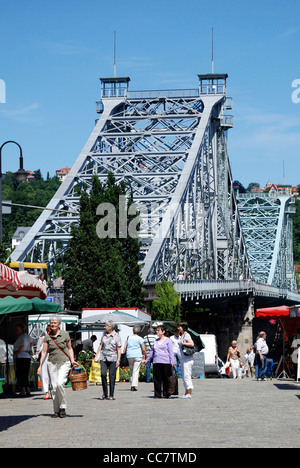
(101, 266)
(168, 305)
(35, 192)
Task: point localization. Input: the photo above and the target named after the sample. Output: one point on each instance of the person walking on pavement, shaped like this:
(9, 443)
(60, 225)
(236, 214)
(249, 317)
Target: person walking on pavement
(262, 351)
(186, 360)
(163, 360)
(22, 356)
(233, 357)
(249, 363)
(60, 360)
(110, 355)
(135, 350)
(149, 341)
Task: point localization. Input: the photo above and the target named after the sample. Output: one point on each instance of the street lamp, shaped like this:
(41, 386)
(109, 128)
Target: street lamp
(21, 176)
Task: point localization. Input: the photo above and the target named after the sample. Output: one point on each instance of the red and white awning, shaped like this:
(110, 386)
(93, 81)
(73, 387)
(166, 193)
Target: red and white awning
(31, 283)
(8, 276)
(13, 283)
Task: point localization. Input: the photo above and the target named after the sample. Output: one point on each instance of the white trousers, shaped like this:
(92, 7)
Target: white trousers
(186, 371)
(58, 374)
(235, 367)
(134, 365)
(45, 375)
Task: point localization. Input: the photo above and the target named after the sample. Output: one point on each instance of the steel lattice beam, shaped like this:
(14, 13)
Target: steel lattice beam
(268, 231)
(171, 149)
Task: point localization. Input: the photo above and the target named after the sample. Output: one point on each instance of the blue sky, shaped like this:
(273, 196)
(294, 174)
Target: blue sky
(52, 54)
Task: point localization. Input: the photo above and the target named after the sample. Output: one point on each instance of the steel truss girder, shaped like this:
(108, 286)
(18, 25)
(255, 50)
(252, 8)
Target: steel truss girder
(268, 231)
(172, 154)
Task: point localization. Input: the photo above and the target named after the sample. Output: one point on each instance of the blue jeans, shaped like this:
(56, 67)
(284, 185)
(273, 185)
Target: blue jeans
(261, 367)
(148, 368)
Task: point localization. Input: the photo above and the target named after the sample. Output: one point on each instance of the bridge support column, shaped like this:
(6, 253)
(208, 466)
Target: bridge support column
(245, 337)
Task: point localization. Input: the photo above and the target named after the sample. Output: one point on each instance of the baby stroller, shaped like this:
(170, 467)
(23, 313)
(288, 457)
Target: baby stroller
(269, 371)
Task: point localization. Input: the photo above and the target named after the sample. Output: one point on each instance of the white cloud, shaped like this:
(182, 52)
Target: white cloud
(21, 114)
(63, 48)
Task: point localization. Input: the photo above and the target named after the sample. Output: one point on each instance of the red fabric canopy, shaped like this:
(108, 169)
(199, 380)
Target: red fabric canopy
(8, 276)
(13, 283)
(273, 312)
(288, 324)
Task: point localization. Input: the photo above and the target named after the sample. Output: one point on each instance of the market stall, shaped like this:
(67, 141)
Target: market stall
(14, 310)
(21, 283)
(290, 326)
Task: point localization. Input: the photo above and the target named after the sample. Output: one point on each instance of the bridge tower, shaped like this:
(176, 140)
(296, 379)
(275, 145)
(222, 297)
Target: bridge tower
(170, 146)
(267, 225)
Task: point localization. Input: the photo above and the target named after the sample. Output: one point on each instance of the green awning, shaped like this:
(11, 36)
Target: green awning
(11, 305)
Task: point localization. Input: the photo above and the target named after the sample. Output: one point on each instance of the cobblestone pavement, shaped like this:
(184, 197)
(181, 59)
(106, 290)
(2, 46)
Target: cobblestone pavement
(222, 413)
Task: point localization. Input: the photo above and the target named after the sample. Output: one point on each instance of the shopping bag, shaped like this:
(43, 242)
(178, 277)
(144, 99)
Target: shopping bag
(173, 384)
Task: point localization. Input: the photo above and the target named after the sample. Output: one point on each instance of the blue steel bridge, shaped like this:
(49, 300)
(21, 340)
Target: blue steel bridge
(171, 149)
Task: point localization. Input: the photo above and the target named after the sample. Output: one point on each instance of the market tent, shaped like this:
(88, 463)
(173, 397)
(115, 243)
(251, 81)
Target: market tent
(20, 305)
(273, 312)
(289, 326)
(11, 305)
(117, 317)
(21, 283)
(30, 285)
(8, 276)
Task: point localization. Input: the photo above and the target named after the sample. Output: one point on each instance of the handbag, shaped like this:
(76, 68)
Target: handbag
(97, 356)
(173, 384)
(188, 351)
(124, 361)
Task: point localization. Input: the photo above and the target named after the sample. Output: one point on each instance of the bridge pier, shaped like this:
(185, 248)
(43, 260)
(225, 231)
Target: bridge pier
(231, 321)
(245, 336)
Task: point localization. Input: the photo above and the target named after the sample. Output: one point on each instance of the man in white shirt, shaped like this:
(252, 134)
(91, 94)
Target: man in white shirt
(262, 350)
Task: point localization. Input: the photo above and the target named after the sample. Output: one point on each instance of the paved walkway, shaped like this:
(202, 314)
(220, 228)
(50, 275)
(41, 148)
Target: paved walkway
(222, 413)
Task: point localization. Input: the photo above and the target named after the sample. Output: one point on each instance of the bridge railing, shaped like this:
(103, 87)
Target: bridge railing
(194, 288)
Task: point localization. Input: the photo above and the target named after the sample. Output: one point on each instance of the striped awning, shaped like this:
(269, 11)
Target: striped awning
(8, 276)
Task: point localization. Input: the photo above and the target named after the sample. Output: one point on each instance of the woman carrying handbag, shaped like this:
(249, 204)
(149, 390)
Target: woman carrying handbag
(60, 360)
(186, 358)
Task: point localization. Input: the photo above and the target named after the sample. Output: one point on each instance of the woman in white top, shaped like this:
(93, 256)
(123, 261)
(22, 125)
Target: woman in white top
(22, 354)
(186, 361)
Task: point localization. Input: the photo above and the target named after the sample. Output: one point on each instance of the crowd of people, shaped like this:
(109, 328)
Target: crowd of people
(254, 362)
(156, 350)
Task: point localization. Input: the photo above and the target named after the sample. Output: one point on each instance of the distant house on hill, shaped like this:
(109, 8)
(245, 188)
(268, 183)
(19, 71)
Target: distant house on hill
(19, 234)
(281, 189)
(30, 175)
(62, 173)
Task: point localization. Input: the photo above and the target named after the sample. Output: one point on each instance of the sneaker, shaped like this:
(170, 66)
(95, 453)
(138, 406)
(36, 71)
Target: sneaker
(62, 413)
(55, 415)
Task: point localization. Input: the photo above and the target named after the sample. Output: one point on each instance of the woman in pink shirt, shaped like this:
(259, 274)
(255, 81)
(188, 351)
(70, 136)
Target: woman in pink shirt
(163, 359)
